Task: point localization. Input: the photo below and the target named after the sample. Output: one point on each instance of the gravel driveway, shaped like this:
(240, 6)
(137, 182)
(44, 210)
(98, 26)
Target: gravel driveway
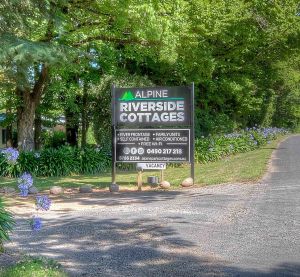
(223, 230)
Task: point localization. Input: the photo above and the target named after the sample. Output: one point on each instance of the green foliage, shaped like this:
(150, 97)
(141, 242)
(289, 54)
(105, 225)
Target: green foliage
(102, 108)
(66, 161)
(93, 161)
(54, 139)
(90, 137)
(7, 169)
(62, 161)
(231, 52)
(38, 267)
(27, 162)
(57, 162)
(6, 224)
(242, 55)
(216, 147)
(206, 123)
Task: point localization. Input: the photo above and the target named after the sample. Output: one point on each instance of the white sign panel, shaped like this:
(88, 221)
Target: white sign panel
(144, 166)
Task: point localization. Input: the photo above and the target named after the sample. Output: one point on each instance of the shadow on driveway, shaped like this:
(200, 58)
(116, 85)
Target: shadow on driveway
(116, 247)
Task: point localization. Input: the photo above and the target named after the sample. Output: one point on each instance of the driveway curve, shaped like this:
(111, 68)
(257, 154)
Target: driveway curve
(222, 230)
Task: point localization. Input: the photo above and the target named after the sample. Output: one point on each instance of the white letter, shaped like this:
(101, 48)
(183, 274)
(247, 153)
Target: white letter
(171, 106)
(151, 107)
(180, 105)
(132, 117)
(144, 107)
(173, 116)
(123, 107)
(165, 117)
(155, 117)
(123, 117)
(180, 116)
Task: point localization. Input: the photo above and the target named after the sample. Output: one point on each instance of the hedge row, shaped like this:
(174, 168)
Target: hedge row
(213, 148)
(65, 161)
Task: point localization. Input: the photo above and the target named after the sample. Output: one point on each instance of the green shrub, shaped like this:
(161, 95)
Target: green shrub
(6, 224)
(213, 148)
(34, 267)
(66, 160)
(93, 161)
(27, 162)
(6, 169)
(58, 162)
(54, 140)
(62, 161)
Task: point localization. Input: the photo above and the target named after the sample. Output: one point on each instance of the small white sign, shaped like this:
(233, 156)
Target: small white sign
(151, 166)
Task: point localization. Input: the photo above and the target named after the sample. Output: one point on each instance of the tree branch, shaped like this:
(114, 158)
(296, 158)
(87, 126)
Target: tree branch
(117, 40)
(40, 84)
(82, 25)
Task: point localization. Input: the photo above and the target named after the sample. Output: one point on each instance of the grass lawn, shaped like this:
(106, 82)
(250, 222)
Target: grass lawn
(242, 167)
(34, 267)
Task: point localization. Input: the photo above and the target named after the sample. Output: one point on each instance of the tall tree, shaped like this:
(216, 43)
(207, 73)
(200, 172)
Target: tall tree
(36, 34)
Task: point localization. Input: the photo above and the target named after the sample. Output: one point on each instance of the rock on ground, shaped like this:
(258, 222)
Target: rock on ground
(188, 182)
(165, 185)
(56, 190)
(86, 189)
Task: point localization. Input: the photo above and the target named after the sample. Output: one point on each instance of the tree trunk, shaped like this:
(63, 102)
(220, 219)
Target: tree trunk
(25, 114)
(29, 101)
(72, 127)
(9, 128)
(9, 136)
(84, 117)
(37, 131)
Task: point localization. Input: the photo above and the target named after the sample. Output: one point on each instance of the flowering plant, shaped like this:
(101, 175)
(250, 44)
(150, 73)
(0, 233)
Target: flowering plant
(36, 223)
(25, 181)
(216, 147)
(11, 156)
(43, 203)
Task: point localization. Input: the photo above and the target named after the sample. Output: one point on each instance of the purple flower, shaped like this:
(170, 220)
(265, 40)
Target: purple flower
(11, 155)
(23, 190)
(36, 223)
(25, 179)
(24, 183)
(43, 202)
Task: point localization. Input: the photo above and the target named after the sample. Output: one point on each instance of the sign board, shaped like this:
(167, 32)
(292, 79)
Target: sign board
(157, 166)
(152, 145)
(150, 106)
(153, 126)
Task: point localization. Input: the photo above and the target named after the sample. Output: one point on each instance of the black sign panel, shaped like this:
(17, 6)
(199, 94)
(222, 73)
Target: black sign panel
(156, 106)
(152, 145)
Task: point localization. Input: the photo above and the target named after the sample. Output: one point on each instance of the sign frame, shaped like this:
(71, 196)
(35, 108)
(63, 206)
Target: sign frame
(191, 128)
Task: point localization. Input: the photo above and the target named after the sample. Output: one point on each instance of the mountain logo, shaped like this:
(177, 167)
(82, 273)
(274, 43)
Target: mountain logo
(127, 96)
